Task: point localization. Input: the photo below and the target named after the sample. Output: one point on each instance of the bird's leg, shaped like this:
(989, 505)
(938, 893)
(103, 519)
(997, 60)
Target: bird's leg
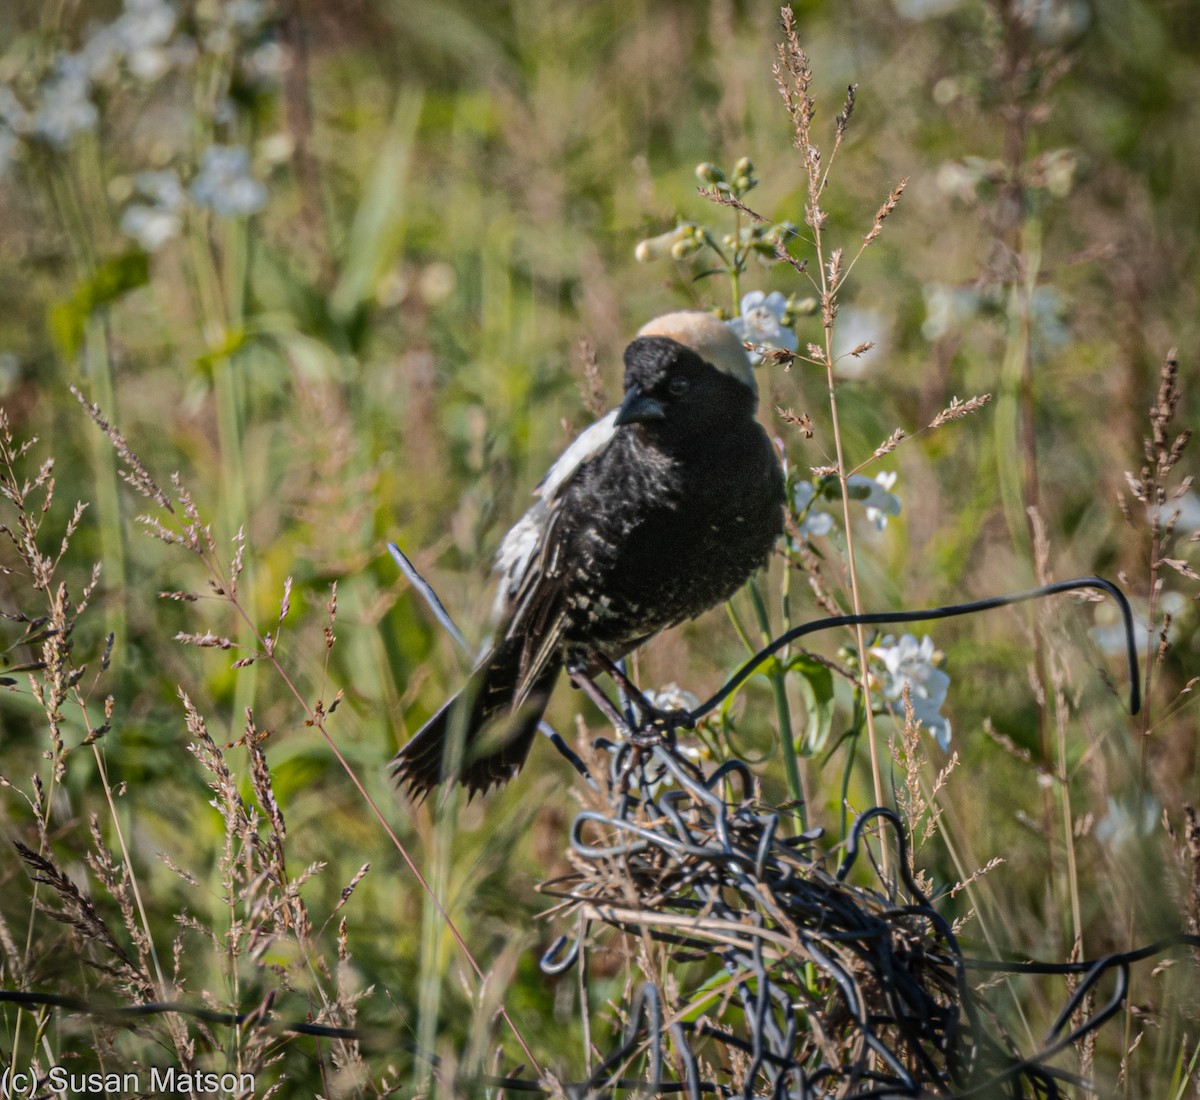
(635, 740)
(655, 722)
(579, 676)
(624, 701)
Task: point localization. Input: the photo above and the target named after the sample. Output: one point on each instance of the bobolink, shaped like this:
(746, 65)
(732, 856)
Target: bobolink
(655, 513)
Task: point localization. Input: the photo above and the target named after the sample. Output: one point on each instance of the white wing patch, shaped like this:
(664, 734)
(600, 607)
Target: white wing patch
(589, 443)
(520, 545)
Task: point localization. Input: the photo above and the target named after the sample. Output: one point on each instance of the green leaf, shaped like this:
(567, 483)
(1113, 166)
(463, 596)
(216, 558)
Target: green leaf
(708, 996)
(377, 232)
(816, 685)
(67, 319)
(234, 340)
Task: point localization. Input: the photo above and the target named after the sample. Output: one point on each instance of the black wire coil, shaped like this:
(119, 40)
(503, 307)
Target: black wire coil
(827, 989)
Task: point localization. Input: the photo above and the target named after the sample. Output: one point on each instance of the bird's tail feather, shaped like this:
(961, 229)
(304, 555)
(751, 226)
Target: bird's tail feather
(451, 745)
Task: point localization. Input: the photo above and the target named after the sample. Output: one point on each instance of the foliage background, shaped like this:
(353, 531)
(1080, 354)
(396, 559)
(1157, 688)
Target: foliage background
(389, 349)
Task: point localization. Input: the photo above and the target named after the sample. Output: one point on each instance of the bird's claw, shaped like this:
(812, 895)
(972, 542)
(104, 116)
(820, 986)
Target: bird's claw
(657, 728)
(660, 725)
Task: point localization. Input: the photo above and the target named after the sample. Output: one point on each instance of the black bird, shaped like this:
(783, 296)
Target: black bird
(655, 513)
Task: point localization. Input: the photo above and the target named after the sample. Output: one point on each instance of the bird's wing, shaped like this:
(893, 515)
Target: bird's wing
(531, 563)
(589, 443)
(522, 545)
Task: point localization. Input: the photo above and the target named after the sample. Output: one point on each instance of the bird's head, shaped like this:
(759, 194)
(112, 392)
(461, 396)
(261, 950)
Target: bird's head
(686, 369)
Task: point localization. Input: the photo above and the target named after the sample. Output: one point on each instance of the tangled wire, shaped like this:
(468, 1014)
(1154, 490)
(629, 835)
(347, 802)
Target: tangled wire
(809, 986)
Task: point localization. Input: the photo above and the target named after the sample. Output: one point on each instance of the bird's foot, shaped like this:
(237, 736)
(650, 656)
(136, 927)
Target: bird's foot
(641, 732)
(650, 720)
(581, 679)
(659, 725)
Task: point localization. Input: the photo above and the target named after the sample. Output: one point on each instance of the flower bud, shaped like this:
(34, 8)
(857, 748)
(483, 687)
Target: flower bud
(654, 248)
(744, 167)
(709, 173)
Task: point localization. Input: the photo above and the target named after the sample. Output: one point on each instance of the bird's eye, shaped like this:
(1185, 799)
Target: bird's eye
(678, 386)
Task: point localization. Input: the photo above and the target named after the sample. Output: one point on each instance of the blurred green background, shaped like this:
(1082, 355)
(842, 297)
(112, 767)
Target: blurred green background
(366, 326)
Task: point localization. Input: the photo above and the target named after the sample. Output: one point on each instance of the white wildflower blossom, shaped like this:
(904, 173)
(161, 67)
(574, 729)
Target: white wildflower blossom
(160, 218)
(673, 697)
(874, 495)
(761, 323)
(865, 331)
(813, 523)
(1188, 507)
(909, 663)
(947, 308)
(246, 15)
(224, 183)
(139, 40)
(150, 226)
(66, 107)
(237, 20)
(103, 53)
(266, 63)
(1109, 632)
(1124, 822)
(917, 10)
(145, 29)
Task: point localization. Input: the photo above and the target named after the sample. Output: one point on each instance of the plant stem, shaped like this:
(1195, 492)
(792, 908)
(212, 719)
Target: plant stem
(782, 708)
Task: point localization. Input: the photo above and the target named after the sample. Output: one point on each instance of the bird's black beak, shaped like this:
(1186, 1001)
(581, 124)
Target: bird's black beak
(638, 407)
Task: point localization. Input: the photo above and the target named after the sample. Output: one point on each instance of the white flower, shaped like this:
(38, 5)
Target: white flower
(266, 63)
(874, 495)
(946, 308)
(150, 226)
(1046, 318)
(1188, 507)
(910, 664)
(958, 179)
(224, 182)
(145, 29)
(761, 323)
(66, 108)
(1109, 632)
(856, 328)
(162, 188)
(1123, 823)
(237, 20)
(813, 522)
(673, 697)
(158, 220)
(103, 52)
(246, 15)
(925, 9)
(138, 38)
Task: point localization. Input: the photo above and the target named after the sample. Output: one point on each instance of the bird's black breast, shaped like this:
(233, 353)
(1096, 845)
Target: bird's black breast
(657, 530)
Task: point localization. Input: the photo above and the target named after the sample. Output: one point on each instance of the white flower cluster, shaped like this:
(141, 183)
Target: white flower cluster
(223, 184)
(1126, 822)
(144, 42)
(158, 215)
(761, 324)
(910, 664)
(873, 493)
(140, 41)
